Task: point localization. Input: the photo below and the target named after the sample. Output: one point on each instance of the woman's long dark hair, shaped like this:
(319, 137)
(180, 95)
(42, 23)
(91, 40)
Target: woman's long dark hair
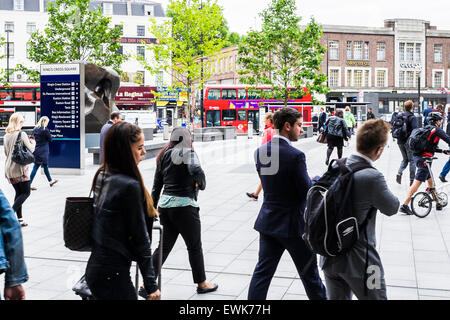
(118, 157)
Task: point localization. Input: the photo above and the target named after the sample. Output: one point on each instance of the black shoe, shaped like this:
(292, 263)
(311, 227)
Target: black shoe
(438, 207)
(327, 162)
(252, 196)
(442, 179)
(143, 293)
(206, 290)
(399, 178)
(405, 209)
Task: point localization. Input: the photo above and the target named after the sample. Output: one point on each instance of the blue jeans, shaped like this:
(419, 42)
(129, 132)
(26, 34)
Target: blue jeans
(35, 169)
(446, 169)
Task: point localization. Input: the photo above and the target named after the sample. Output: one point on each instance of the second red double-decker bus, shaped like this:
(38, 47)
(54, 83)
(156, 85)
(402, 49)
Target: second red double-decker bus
(236, 105)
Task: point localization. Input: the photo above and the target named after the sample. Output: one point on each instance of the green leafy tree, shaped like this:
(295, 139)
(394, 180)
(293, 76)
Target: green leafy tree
(74, 32)
(283, 54)
(194, 31)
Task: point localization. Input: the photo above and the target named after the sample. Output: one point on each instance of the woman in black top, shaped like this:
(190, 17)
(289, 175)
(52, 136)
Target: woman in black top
(178, 170)
(123, 216)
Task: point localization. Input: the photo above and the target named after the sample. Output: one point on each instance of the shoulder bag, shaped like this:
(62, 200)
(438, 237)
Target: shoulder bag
(21, 155)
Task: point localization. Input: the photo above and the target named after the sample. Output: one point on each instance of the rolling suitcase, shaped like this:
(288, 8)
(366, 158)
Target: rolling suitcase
(81, 288)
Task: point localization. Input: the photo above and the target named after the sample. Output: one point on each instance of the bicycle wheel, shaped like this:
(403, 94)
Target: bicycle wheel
(443, 199)
(421, 204)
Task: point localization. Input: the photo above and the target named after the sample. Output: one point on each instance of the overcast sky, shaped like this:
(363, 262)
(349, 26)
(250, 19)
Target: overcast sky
(243, 15)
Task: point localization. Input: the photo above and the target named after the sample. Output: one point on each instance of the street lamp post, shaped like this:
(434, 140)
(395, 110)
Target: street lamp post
(7, 54)
(202, 116)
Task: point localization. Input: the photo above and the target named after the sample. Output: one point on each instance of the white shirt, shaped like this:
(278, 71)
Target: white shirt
(356, 153)
(284, 138)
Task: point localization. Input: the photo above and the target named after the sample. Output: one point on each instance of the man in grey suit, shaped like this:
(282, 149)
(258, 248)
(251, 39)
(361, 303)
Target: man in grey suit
(360, 270)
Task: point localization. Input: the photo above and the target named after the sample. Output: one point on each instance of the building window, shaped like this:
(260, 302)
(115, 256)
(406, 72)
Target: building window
(333, 80)
(381, 78)
(11, 49)
(381, 51)
(31, 27)
(357, 50)
(418, 57)
(410, 79)
(366, 78)
(120, 51)
(409, 52)
(149, 10)
(9, 26)
(141, 31)
(349, 78)
(401, 51)
(438, 79)
(438, 53)
(141, 51)
(401, 79)
(416, 78)
(107, 8)
(366, 50)
(333, 48)
(120, 26)
(349, 50)
(18, 4)
(159, 79)
(357, 78)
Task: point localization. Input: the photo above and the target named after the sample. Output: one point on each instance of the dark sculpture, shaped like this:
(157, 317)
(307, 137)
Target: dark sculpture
(101, 85)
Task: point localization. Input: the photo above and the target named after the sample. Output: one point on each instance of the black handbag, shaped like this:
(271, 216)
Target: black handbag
(21, 154)
(77, 223)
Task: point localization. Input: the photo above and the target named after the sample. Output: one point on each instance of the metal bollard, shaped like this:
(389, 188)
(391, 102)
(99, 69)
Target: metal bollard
(250, 130)
(166, 131)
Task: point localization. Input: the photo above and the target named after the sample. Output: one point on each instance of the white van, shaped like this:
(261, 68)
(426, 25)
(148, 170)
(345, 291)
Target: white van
(142, 118)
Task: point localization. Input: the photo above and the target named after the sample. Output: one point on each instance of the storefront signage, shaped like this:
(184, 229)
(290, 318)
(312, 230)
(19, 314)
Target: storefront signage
(135, 95)
(62, 102)
(359, 63)
(138, 40)
(411, 65)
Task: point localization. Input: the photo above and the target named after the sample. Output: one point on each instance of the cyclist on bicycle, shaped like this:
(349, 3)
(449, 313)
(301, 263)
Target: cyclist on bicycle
(422, 173)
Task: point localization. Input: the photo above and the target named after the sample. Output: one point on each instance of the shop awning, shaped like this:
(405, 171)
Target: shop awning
(161, 103)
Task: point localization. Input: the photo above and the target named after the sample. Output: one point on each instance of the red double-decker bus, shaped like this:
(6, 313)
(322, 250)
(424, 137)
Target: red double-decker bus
(20, 98)
(236, 105)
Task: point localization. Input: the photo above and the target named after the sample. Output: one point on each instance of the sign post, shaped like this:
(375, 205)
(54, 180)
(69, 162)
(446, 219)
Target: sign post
(62, 101)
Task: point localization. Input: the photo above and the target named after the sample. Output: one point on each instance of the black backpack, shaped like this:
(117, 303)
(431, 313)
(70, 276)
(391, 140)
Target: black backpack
(331, 228)
(400, 127)
(420, 139)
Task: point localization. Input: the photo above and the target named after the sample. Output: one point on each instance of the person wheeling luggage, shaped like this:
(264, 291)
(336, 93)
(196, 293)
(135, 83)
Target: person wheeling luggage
(124, 213)
(424, 143)
(402, 127)
(178, 171)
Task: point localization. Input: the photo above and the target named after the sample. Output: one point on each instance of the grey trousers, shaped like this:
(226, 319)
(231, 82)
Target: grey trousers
(407, 159)
(341, 286)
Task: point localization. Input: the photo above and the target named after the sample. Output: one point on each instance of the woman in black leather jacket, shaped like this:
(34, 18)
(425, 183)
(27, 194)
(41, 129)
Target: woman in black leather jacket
(337, 132)
(178, 170)
(124, 213)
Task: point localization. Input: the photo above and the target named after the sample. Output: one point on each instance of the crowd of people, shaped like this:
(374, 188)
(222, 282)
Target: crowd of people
(125, 210)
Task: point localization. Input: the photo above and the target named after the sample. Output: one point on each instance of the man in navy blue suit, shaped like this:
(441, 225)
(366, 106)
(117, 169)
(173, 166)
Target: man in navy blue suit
(282, 170)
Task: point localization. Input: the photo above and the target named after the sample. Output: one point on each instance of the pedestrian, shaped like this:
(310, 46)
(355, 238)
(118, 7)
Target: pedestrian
(178, 171)
(43, 138)
(447, 131)
(422, 172)
(370, 114)
(426, 112)
(269, 131)
(322, 118)
(349, 120)
(345, 274)
(282, 170)
(394, 115)
(315, 122)
(123, 218)
(114, 118)
(12, 260)
(407, 154)
(337, 132)
(440, 109)
(17, 174)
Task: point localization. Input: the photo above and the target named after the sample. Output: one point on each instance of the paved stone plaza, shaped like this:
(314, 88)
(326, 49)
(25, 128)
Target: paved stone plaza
(415, 252)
